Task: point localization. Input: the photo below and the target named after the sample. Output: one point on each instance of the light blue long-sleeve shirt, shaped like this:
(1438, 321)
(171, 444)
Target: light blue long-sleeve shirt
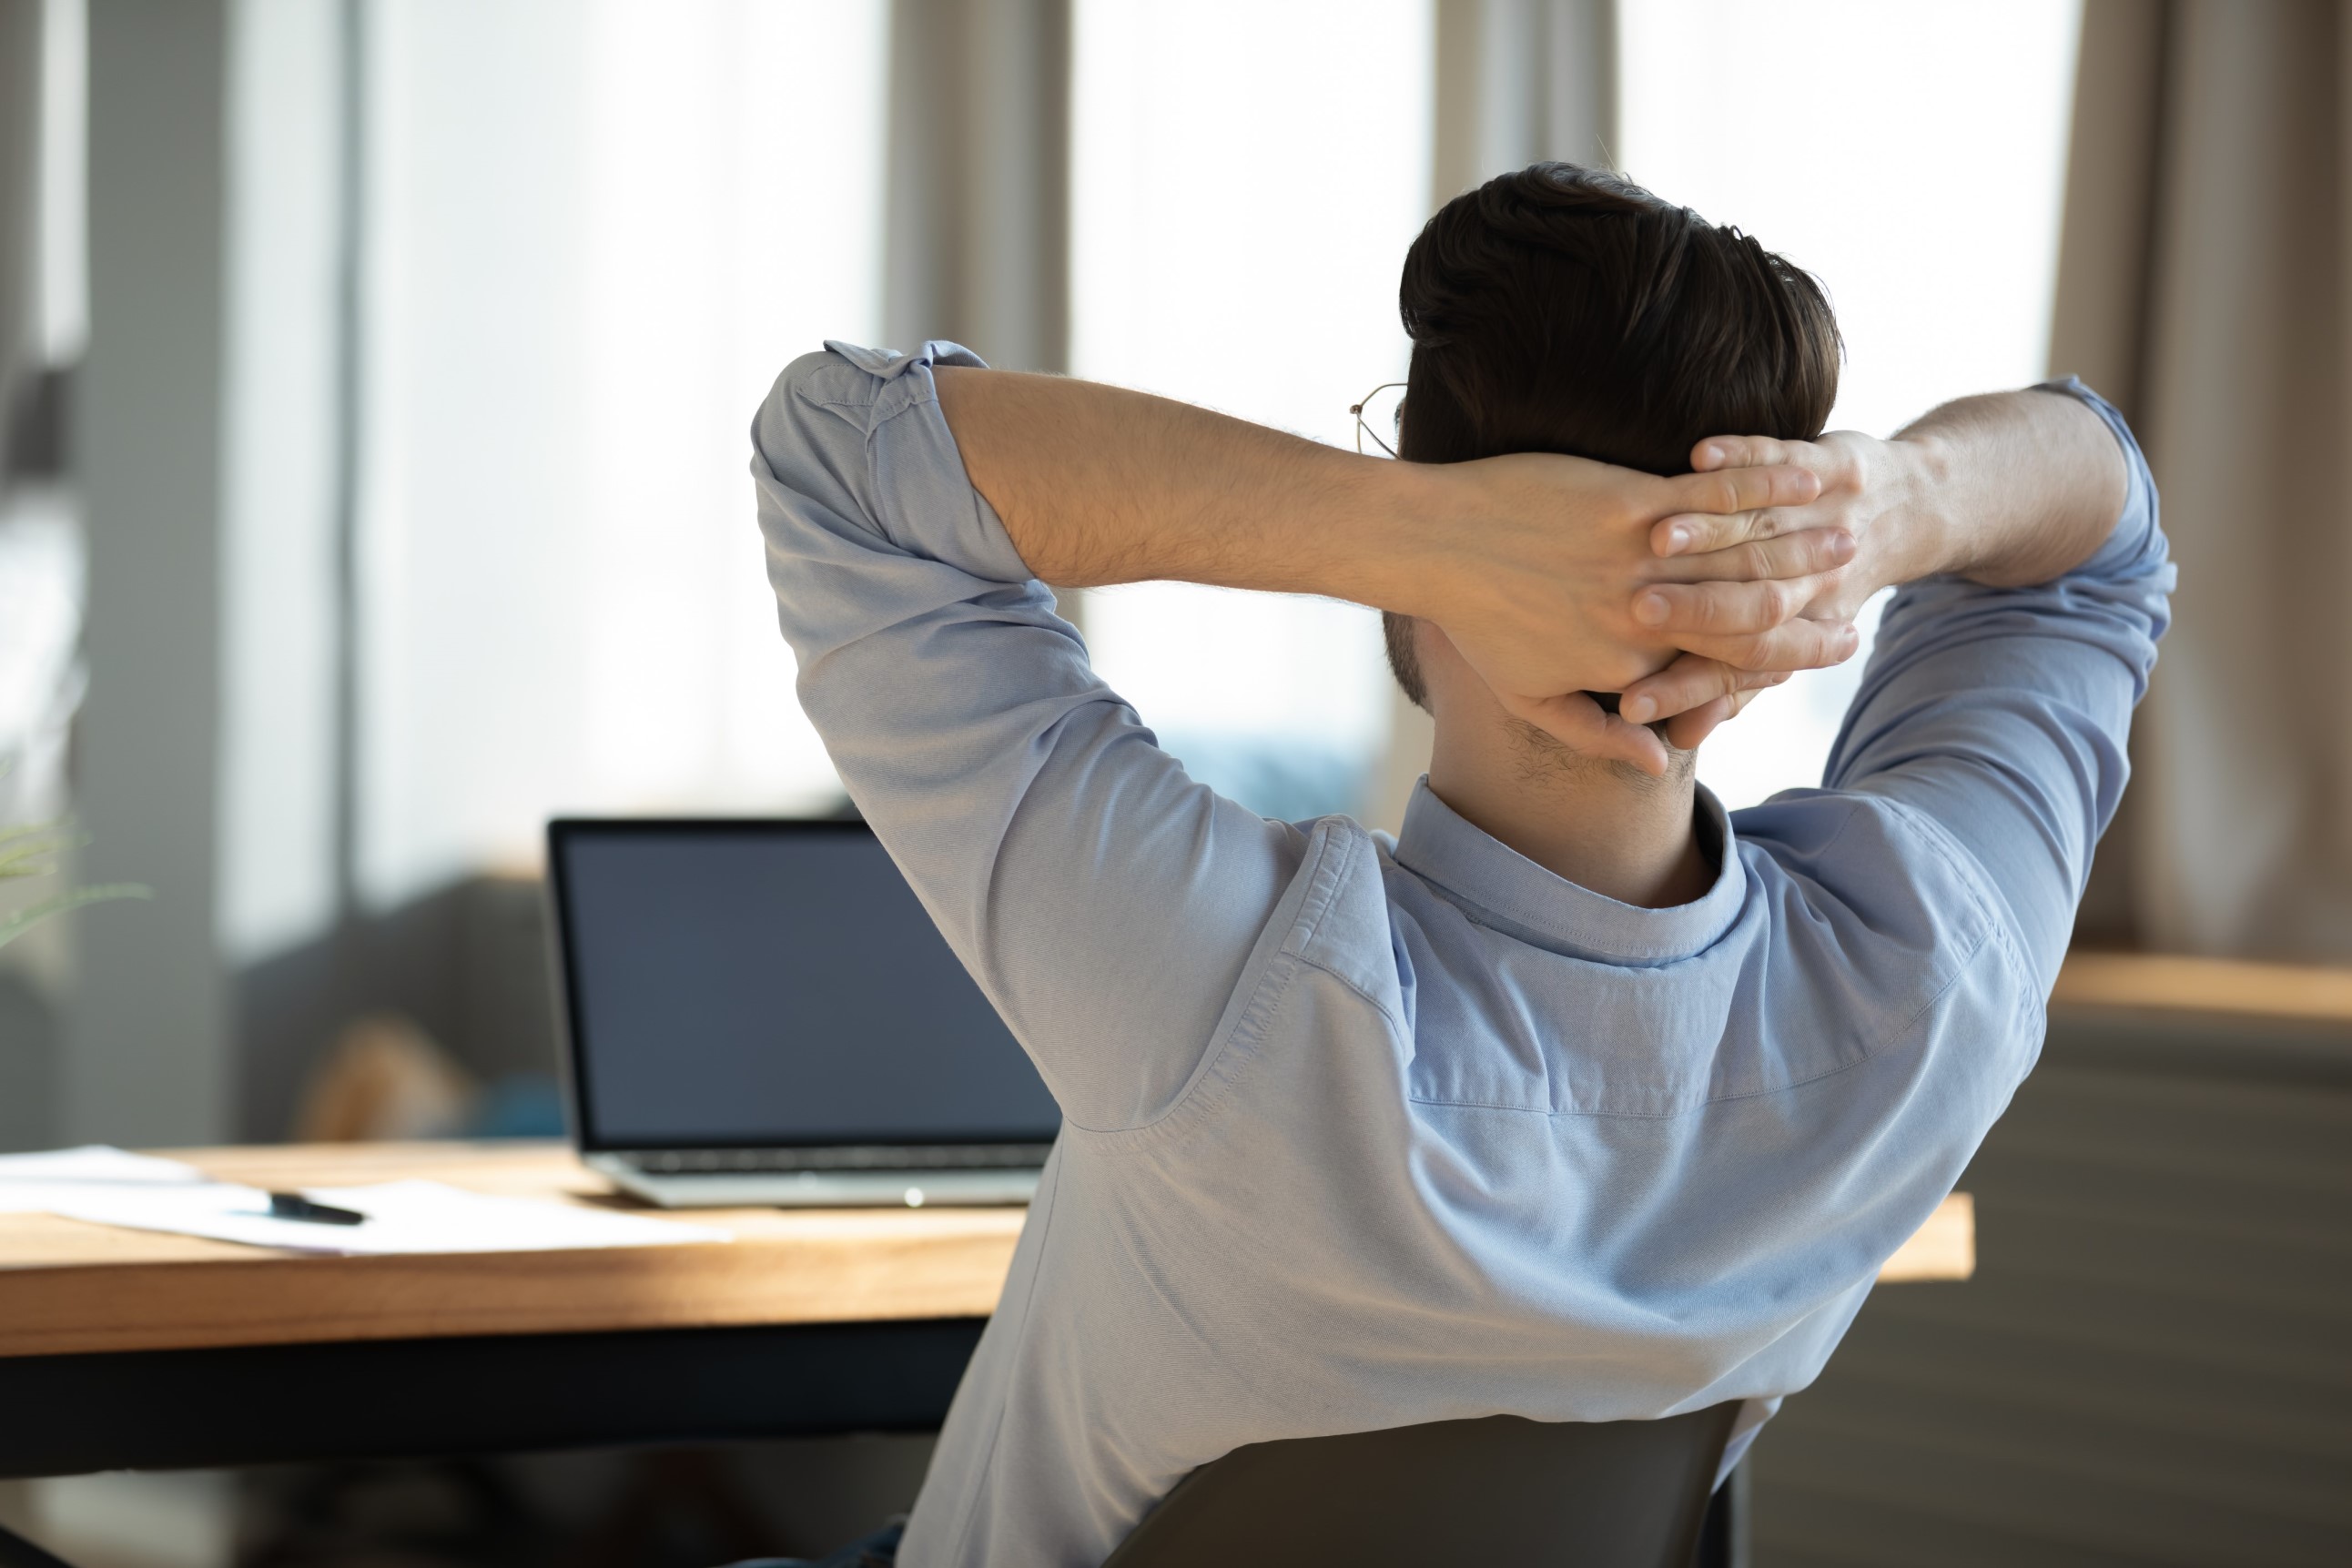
(1359, 1135)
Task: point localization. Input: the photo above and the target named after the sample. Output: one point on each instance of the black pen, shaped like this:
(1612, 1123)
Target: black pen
(294, 1205)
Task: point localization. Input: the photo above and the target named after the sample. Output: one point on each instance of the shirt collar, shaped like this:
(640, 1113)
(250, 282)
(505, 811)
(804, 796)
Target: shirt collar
(1504, 889)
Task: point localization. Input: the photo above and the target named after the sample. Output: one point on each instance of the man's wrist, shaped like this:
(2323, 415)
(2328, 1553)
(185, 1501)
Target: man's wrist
(1916, 534)
(2011, 489)
(1399, 551)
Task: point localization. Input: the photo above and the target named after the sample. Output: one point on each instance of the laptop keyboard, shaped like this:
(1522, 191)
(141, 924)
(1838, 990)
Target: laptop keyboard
(864, 1157)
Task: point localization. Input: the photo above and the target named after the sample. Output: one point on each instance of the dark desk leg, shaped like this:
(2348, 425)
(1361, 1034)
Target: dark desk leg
(185, 1409)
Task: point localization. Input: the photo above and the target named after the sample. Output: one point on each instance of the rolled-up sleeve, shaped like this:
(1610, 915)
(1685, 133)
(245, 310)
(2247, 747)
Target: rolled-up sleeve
(2001, 713)
(1105, 902)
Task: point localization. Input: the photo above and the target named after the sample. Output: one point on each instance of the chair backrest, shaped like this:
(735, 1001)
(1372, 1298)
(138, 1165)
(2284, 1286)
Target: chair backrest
(1501, 1489)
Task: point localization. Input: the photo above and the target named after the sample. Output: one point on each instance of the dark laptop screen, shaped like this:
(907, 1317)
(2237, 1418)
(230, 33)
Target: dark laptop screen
(745, 984)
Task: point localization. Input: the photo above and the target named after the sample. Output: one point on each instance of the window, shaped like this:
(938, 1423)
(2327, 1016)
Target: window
(1244, 182)
(1913, 157)
(41, 564)
(591, 236)
(594, 236)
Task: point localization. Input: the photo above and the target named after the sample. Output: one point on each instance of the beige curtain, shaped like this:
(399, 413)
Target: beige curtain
(2203, 286)
(977, 222)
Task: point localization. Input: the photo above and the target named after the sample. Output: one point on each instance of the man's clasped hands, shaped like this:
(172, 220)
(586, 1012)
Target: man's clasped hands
(1687, 595)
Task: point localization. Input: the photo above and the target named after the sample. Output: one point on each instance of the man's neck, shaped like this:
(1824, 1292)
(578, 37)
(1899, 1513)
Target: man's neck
(1598, 824)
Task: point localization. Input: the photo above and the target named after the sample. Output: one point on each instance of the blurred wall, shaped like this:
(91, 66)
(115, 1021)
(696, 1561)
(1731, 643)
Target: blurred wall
(147, 1054)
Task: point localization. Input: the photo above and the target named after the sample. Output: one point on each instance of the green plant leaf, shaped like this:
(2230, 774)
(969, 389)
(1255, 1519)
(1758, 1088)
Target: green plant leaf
(31, 849)
(15, 926)
(26, 863)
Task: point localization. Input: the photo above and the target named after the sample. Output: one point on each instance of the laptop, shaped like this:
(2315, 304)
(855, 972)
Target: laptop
(761, 1012)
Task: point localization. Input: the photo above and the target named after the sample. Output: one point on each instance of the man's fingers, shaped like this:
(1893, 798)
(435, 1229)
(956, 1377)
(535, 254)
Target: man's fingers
(1803, 554)
(1739, 452)
(1634, 746)
(1577, 722)
(1688, 684)
(1695, 534)
(1712, 511)
(1799, 645)
(1681, 610)
(1685, 731)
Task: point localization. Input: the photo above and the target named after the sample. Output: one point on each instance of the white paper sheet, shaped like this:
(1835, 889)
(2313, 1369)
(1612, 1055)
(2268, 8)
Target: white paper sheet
(33, 1183)
(109, 1186)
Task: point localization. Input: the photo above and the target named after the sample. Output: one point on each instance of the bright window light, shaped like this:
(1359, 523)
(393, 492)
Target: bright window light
(597, 234)
(1244, 182)
(1913, 158)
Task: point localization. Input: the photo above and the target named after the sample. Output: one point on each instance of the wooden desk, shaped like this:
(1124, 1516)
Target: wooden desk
(77, 1287)
(2164, 982)
(153, 1350)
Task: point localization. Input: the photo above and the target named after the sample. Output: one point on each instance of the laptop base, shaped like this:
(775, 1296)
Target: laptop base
(819, 1189)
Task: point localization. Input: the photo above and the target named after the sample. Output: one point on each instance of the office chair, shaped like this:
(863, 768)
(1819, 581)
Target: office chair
(1500, 1490)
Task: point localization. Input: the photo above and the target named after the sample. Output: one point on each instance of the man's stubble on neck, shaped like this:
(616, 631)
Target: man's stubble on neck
(1541, 762)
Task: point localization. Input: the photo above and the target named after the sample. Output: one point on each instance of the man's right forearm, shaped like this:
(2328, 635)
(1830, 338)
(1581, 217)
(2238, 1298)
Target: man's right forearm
(1098, 486)
(2010, 489)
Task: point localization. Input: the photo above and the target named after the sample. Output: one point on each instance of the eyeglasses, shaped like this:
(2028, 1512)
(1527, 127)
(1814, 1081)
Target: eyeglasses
(1364, 432)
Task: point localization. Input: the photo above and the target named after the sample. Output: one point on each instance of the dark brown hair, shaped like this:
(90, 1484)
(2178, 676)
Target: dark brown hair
(1567, 310)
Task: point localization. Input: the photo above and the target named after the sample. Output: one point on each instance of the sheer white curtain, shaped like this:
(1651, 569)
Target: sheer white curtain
(595, 233)
(1245, 181)
(1912, 157)
(44, 321)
